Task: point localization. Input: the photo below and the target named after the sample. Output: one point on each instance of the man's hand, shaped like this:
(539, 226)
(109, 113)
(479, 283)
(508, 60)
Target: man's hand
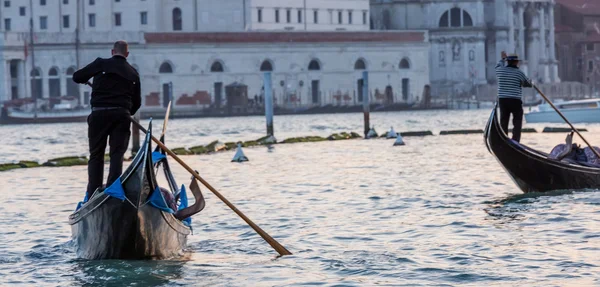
(503, 55)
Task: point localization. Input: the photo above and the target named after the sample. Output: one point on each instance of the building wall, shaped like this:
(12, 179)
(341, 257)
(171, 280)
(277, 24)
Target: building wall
(197, 15)
(191, 64)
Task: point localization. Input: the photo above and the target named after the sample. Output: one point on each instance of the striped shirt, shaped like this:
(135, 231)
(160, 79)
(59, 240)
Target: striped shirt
(510, 81)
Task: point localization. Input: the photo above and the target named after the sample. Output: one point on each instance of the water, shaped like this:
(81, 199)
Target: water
(439, 211)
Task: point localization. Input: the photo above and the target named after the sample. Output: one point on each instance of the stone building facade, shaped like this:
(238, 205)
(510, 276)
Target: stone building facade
(467, 36)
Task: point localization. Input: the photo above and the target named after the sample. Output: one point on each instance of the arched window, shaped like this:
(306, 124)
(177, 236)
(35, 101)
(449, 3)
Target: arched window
(216, 67)
(177, 20)
(467, 21)
(444, 20)
(53, 83)
(456, 17)
(165, 68)
(72, 87)
(266, 66)
(404, 64)
(360, 65)
(36, 83)
(314, 66)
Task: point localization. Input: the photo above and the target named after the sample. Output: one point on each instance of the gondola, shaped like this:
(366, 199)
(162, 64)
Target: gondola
(534, 171)
(131, 219)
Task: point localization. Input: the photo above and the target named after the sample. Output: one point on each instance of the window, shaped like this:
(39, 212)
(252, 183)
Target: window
(316, 16)
(360, 65)
(177, 20)
(299, 16)
(92, 20)
(22, 11)
(43, 22)
(266, 66)
(66, 23)
(6, 3)
(288, 16)
(276, 16)
(444, 20)
(92, 2)
(349, 17)
(118, 19)
(117, 0)
(404, 64)
(259, 15)
(7, 26)
(216, 67)
(42, 2)
(314, 65)
(144, 18)
(66, 2)
(455, 17)
(590, 66)
(467, 21)
(165, 68)
(339, 17)
(364, 18)
(589, 46)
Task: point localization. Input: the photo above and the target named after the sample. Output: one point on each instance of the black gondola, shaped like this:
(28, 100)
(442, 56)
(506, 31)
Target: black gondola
(534, 171)
(106, 227)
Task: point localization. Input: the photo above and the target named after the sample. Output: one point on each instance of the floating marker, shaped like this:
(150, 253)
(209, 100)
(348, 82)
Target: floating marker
(239, 154)
(392, 133)
(269, 140)
(372, 133)
(399, 140)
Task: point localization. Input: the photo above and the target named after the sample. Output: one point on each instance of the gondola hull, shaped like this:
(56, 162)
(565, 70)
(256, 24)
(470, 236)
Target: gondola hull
(533, 171)
(110, 228)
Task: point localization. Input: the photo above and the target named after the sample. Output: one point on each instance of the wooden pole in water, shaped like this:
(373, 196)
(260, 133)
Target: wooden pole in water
(366, 99)
(268, 102)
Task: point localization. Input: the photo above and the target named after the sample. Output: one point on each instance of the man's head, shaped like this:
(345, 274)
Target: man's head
(120, 48)
(513, 60)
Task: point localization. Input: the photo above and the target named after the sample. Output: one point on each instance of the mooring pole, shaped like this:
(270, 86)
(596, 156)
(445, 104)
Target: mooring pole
(366, 98)
(135, 135)
(269, 103)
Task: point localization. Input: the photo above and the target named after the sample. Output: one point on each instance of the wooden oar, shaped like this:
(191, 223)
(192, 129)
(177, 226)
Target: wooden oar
(166, 120)
(567, 121)
(276, 245)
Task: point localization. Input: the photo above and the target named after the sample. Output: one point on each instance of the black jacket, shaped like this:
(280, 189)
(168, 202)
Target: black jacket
(116, 83)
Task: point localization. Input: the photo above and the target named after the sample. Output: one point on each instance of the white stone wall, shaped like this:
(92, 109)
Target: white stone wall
(197, 15)
(191, 67)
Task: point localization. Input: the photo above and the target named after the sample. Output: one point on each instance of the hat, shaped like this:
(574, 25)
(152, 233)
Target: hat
(513, 57)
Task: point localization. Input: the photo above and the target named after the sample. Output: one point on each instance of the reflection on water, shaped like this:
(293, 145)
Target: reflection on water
(439, 211)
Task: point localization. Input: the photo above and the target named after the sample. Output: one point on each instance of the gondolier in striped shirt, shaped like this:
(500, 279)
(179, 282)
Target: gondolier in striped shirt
(511, 81)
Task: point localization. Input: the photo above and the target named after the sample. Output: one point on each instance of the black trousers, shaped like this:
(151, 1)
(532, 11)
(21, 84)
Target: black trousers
(514, 107)
(113, 125)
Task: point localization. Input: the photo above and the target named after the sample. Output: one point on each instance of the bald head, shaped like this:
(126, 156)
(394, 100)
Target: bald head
(120, 48)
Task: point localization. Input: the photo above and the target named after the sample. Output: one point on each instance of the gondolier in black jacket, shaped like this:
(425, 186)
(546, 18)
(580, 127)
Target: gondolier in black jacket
(511, 81)
(115, 97)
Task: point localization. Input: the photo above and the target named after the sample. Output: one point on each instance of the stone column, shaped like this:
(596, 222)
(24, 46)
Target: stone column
(511, 28)
(552, 56)
(21, 78)
(521, 52)
(63, 82)
(544, 59)
(4, 96)
(7, 81)
(45, 84)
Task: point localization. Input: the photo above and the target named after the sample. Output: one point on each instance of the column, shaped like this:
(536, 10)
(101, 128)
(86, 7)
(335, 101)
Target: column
(521, 52)
(45, 84)
(22, 84)
(7, 81)
(552, 56)
(511, 28)
(543, 62)
(4, 73)
(63, 82)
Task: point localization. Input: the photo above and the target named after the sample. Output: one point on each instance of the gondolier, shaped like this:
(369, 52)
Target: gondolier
(511, 81)
(115, 97)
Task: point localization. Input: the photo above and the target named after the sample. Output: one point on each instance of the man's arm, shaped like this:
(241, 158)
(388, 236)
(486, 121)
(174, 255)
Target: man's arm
(136, 101)
(86, 73)
(526, 82)
(502, 62)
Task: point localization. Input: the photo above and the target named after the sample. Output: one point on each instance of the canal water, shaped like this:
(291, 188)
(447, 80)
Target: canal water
(439, 211)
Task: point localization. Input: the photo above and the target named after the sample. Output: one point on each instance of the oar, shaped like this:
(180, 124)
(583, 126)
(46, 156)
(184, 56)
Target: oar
(166, 120)
(276, 245)
(567, 121)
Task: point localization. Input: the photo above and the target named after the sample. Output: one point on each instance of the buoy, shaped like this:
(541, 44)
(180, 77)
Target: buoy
(399, 140)
(392, 133)
(239, 154)
(269, 140)
(372, 133)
